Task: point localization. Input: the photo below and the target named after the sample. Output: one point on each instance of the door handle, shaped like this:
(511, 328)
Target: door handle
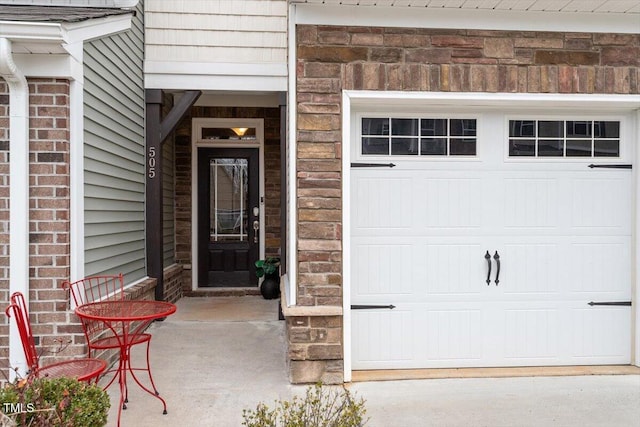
(488, 258)
(256, 227)
(496, 257)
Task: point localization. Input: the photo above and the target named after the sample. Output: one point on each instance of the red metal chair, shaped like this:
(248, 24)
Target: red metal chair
(86, 369)
(101, 337)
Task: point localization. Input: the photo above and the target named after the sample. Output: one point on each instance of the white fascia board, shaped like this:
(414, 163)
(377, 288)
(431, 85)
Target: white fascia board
(36, 31)
(47, 65)
(222, 83)
(70, 37)
(125, 4)
(476, 19)
(65, 32)
(215, 68)
(87, 3)
(484, 99)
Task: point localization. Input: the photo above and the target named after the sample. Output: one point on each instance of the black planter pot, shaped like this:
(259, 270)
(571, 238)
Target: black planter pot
(270, 287)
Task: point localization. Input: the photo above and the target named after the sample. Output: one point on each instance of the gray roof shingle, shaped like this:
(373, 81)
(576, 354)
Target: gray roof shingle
(56, 13)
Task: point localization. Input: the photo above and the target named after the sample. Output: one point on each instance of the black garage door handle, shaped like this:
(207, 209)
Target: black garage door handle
(487, 256)
(610, 303)
(496, 257)
(372, 307)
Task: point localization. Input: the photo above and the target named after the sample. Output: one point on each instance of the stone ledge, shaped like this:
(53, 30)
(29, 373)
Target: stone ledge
(303, 310)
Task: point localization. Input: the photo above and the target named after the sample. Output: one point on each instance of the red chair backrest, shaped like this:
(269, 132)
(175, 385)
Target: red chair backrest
(96, 288)
(92, 289)
(21, 314)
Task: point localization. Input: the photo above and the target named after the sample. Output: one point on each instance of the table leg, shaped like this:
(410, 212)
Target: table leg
(153, 392)
(122, 380)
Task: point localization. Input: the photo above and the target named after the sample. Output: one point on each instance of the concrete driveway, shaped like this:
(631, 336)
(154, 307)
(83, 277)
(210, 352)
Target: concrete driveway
(218, 356)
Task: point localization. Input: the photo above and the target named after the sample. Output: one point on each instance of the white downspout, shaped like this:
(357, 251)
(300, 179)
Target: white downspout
(18, 191)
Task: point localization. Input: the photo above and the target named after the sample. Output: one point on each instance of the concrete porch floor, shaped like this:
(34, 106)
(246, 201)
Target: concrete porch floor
(219, 355)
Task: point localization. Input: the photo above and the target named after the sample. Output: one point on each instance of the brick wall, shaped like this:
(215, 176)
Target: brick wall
(335, 58)
(49, 204)
(49, 244)
(271, 118)
(172, 281)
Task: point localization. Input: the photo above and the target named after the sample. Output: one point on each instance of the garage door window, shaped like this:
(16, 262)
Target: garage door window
(564, 138)
(418, 136)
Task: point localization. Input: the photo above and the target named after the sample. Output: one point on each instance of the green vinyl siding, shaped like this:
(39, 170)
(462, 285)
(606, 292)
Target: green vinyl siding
(114, 168)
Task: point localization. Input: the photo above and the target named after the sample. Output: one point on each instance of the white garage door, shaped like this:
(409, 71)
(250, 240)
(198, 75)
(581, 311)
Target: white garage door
(490, 237)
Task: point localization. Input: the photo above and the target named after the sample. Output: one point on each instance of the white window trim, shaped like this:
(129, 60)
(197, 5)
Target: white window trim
(626, 149)
(355, 101)
(356, 149)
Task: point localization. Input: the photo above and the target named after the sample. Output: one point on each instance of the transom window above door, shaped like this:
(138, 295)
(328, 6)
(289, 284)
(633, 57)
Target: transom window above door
(391, 136)
(228, 133)
(564, 138)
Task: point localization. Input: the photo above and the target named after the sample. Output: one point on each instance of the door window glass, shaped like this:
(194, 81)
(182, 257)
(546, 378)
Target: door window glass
(228, 199)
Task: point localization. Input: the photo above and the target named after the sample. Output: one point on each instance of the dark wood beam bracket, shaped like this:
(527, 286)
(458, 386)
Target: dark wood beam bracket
(157, 131)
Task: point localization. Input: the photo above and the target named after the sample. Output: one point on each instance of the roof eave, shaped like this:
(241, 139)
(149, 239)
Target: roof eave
(96, 28)
(449, 18)
(67, 33)
(56, 49)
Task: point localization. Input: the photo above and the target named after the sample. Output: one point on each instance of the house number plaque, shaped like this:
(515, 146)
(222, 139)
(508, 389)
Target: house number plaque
(151, 162)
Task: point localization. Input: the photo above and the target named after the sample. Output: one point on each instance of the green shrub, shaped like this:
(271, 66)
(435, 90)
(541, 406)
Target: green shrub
(60, 402)
(320, 407)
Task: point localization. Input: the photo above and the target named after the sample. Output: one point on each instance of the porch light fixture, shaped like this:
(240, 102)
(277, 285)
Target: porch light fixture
(239, 131)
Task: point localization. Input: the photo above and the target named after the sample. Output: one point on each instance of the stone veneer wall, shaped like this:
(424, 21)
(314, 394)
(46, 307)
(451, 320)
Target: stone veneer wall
(183, 155)
(331, 59)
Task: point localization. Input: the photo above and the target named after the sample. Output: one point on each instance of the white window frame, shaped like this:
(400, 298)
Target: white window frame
(626, 138)
(356, 148)
(419, 137)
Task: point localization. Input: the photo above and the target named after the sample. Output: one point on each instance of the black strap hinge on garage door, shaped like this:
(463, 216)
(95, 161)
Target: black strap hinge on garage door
(611, 166)
(372, 307)
(373, 165)
(610, 303)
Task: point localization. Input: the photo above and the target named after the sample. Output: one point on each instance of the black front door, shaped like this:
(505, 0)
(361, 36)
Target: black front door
(228, 216)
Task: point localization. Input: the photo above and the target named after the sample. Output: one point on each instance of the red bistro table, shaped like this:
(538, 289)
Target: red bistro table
(125, 318)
